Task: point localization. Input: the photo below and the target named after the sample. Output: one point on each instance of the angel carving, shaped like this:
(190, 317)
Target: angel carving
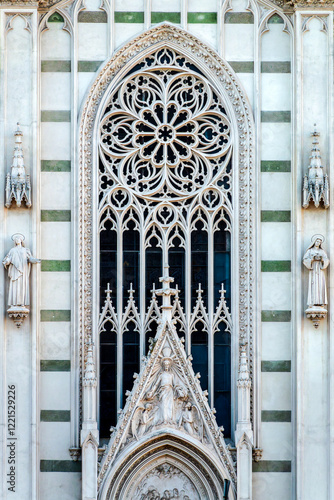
(143, 420)
(191, 421)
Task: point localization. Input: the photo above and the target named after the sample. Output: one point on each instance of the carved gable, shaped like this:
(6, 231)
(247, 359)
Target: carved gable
(167, 399)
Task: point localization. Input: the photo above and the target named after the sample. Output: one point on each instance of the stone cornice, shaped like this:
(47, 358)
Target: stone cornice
(41, 4)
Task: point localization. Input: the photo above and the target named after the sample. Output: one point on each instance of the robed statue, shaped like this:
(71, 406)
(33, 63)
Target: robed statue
(18, 264)
(316, 261)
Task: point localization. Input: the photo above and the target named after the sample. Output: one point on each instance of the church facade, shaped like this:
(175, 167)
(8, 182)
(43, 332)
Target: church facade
(166, 242)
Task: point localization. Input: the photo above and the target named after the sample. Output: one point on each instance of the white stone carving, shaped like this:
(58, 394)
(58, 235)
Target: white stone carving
(18, 263)
(18, 181)
(167, 398)
(166, 482)
(316, 183)
(317, 261)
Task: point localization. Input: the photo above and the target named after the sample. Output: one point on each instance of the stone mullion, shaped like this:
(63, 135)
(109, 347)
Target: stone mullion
(142, 294)
(188, 286)
(210, 310)
(119, 383)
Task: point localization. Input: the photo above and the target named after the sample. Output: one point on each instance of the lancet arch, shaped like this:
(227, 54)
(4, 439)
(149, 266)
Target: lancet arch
(219, 182)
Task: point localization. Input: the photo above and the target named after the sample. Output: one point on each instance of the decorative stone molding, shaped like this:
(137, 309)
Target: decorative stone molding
(321, 18)
(224, 80)
(316, 183)
(26, 16)
(18, 188)
(295, 4)
(257, 454)
(316, 261)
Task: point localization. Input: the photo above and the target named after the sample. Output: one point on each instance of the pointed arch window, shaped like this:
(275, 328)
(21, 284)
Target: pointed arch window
(165, 192)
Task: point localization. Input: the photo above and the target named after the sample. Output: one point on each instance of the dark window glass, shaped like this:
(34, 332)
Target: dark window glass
(131, 262)
(222, 379)
(153, 268)
(130, 357)
(108, 353)
(199, 351)
(176, 259)
(222, 263)
(199, 262)
(108, 262)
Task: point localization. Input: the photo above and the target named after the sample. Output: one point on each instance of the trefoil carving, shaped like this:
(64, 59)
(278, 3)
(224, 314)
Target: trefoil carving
(316, 183)
(18, 188)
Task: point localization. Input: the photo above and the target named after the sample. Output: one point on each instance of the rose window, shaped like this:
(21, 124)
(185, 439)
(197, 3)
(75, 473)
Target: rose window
(164, 133)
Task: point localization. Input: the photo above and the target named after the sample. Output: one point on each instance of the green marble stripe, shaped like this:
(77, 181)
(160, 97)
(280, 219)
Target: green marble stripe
(202, 17)
(53, 266)
(88, 66)
(275, 216)
(60, 466)
(276, 416)
(272, 466)
(55, 215)
(242, 66)
(55, 416)
(276, 67)
(275, 116)
(92, 17)
(55, 18)
(276, 316)
(276, 266)
(55, 315)
(55, 66)
(275, 366)
(239, 18)
(171, 17)
(275, 166)
(129, 17)
(55, 116)
(276, 19)
(55, 365)
(55, 166)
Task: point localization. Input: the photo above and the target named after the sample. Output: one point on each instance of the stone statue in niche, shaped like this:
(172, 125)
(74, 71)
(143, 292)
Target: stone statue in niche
(18, 263)
(167, 402)
(316, 261)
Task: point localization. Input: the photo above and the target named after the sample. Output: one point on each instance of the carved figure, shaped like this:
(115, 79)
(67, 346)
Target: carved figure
(18, 262)
(316, 260)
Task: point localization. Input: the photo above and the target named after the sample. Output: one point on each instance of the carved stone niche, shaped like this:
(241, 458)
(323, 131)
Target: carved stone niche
(18, 188)
(316, 183)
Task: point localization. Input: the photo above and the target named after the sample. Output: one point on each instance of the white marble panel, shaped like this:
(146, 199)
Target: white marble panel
(276, 391)
(56, 240)
(239, 45)
(56, 190)
(55, 290)
(55, 340)
(129, 5)
(55, 390)
(276, 341)
(54, 439)
(276, 141)
(60, 485)
(247, 82)
(92, 5)
(276, 191)
(163, 6)
(124, 32)
(279, 484)
(56, 91)
(280, 232)
(93, 41)
(55, 141)
(276, 91)
(200, 6)
(276, 440)
(55, 43)
(276, 291)
(85, 81)
(276, 44)
(205, 32)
